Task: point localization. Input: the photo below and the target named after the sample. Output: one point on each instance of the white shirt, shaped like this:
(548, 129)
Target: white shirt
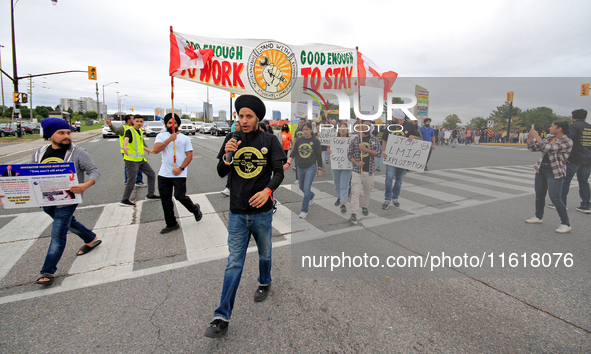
(183, 144)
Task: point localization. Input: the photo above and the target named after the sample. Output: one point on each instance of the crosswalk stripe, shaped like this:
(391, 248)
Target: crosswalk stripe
(446, 197)
(461, 186)
(206, 238)
(480, 180)
(521, 174)
(18, 235)
(496, 176)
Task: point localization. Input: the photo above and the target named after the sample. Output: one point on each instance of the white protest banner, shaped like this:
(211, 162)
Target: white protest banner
(325, 135)
(35, 185)
(264, 67)
(338, 157)
(411, 155)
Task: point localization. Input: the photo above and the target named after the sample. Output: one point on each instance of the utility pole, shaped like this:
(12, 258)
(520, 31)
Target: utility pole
(98, 110)
(31, 96)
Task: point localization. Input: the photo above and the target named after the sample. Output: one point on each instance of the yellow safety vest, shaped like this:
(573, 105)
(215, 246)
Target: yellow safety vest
(135, 149)
(122, 137)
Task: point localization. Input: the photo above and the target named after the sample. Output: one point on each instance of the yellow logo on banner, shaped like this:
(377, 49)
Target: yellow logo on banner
(272, 70)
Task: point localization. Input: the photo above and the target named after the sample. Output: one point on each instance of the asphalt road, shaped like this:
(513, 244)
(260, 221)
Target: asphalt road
(141, 292)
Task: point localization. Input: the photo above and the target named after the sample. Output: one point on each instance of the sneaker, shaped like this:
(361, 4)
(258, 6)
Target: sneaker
(377, 169)
(303, 215)
(169, 229)
(216, 329)
(140, 184)
(353, 219)
(153, 197)
(226, 192)
(261, 293)
(563, 229)
(533, 220)
(198, 214)
(311, 202)
(275, 205)
(365, 211)
(395, 202)
(127, 203)
(584, 210)
(386, 205)
(343, 208)
(337, 202)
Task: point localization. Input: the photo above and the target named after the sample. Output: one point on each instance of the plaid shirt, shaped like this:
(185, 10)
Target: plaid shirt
(557, 153)
(374, 144)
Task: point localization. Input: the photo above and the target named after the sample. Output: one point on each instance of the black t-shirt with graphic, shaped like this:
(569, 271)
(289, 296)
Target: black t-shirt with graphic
(307, 152)
(54, 155)
(251, 170)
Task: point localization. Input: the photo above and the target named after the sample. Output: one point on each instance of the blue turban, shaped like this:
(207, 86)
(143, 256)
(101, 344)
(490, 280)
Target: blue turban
(51, 125)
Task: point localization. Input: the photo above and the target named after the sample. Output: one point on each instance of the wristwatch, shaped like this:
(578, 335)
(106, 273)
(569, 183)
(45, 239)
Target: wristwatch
(182, 168)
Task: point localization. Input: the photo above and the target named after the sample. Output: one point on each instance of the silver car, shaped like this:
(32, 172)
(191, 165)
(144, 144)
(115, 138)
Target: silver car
(153, 128)
(107, 132)
(187, 127)
(206, 128)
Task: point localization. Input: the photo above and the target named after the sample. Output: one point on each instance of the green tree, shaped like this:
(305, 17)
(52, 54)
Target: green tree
(451, 121)
(184, 116)
(500, 115)
(541, 117)
(477, 122)
(43, 111)
(394, 100)
(91, 115)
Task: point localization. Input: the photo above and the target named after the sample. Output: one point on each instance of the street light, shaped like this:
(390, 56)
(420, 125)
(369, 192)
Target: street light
(14, 68)
(114, 82)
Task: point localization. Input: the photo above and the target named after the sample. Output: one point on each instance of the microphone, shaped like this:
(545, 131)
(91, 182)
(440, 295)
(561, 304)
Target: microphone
(230, 154)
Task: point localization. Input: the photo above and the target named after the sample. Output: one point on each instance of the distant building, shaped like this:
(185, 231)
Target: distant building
(84, 104)
(276, 115)
(178, 112)
(208, 108)
(159, 112)
(221, 115)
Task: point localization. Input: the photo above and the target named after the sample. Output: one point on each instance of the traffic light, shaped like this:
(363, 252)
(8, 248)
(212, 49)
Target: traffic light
(132, 109)
(509, 97)
(585, 89)
(24, 98)
(16, 97)
(92, 73)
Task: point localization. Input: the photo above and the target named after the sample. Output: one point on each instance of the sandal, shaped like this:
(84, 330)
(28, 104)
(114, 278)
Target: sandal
(85, 249)
(51, 278)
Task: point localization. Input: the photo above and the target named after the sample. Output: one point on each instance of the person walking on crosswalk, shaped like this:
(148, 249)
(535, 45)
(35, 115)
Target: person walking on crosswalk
(61, 149)
(120, 130)
(551, 171)
(174, 177)
(363, 151)
(134, 155)
(254, 161)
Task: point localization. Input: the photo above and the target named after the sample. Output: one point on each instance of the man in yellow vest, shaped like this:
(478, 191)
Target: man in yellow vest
(134, 156)
(120, 130)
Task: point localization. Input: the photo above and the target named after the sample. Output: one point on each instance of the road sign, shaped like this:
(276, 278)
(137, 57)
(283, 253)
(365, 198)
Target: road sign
(490, 123)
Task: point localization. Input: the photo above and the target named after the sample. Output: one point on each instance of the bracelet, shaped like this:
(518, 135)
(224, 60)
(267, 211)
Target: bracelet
(288, 164)
(270, 192)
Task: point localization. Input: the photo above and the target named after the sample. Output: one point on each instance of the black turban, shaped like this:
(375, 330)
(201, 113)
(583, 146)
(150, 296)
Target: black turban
(176, 118)
(252, 102)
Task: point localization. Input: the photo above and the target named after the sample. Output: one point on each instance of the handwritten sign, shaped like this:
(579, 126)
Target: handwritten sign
(325, 136)
(411, 155)
(338, 158)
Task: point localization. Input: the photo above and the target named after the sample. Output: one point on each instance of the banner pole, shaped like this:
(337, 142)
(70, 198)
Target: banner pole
(173, 114)
(359, 101)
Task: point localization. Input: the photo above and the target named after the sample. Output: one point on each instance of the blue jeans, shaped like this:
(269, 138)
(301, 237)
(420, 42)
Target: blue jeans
(468, 141)
(582, 172)
(397, 174)
(63, 220)
(454, 143)
(379, 166)
(240, 227)
(546, 183)
(305, 179)
(341, 180)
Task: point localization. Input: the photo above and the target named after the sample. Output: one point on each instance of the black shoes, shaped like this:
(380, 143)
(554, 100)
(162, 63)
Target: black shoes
(198, 214)
(261, 293)
(170, 229)
(343, 208)
(153, 197)
(365, 211)
(353, 219)
(216, 329)
(127, 203)
(337, 202)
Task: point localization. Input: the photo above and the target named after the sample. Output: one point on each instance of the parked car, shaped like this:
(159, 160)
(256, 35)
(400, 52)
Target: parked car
(205, 128)
(107, 132)
(31, 128)
(187, 127)
(220, 128)
(153, 128)
(7, 129)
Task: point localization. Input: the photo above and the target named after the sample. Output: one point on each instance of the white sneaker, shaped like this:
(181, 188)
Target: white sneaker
(533, 220)
(226, 192)
(303, 215)
(309, 203)
(563, 229)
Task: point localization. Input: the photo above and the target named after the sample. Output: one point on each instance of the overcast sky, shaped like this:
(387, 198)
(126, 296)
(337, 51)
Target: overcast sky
(128, 42)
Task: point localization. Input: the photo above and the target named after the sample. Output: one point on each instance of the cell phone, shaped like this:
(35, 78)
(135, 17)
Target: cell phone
(532, 126)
